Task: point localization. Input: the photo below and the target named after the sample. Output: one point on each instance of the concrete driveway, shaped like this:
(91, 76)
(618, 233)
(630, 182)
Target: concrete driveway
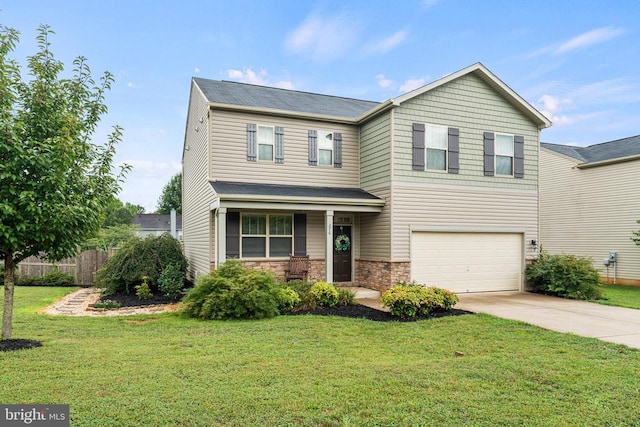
(613, 324)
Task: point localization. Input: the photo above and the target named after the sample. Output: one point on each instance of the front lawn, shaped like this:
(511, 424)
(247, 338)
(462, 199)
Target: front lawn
(164, 370)
(623, 296)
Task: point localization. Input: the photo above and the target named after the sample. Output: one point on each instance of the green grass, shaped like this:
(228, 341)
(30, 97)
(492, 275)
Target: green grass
(623, 296)
(164, 370)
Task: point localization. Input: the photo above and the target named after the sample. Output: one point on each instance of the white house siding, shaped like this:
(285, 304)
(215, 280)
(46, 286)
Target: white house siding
(470, 105)
(461, 208)
(228, 136)
(197, 194)
(375, 155)
(591, 211)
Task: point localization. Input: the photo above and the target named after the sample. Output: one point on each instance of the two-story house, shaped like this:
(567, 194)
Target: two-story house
(439, 185)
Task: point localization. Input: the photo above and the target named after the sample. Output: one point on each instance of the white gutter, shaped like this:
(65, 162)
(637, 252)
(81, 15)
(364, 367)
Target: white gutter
(608, 162)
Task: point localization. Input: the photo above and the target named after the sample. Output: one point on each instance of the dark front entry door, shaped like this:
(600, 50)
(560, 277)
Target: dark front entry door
(342, 245)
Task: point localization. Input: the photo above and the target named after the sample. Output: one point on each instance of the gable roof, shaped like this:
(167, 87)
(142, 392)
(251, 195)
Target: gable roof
(243, 96)
(605, 152)
(494, 82)
(248, 95)
(156, 221)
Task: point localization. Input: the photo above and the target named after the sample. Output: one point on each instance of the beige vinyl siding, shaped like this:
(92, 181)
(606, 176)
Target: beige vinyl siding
(591, 211)
(197, 192)
(473, 107)
(228, 135)
(375, 230)
(375, 155)
(457, 208)
(315, 235)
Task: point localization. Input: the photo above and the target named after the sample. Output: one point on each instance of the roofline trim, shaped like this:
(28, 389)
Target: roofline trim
(588, 165)
(296, 199)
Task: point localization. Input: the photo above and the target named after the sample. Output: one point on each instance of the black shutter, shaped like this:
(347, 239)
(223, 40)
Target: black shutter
(313, 148)
(489, 153)
(337, 150)
(279, 145)
(518, 157)
(252, 143)
(418, 146)
(299, 234)
(454, 150)
(233, 235)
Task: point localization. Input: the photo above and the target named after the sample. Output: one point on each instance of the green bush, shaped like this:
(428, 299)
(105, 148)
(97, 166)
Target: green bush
(53, 277)
(567, 276)
(234, 291)
(289, 299)
(171, 281)
(324, 294)
(346, 297)
(138, 258)
(107, 304)
(413, 299)
(143, 291)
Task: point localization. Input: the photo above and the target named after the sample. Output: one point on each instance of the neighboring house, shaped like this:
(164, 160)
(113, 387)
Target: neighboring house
(439, 185)
(157, 224)
(590, 201)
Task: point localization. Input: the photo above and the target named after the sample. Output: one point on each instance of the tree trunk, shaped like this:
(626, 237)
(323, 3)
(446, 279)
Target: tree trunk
(9, 279)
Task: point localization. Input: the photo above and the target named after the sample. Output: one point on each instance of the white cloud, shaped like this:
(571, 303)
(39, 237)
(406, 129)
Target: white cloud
(196, 71)
(130, 84)
(589, 38)
(324, 39)
(412, 84)
(260, 78)
(383, 82)
(387, 44)
(429, 3)
(551, 106)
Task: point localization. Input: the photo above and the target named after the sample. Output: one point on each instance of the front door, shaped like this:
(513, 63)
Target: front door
(342, 253)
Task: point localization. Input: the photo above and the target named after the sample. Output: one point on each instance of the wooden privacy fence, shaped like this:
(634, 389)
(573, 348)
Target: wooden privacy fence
(83, 267)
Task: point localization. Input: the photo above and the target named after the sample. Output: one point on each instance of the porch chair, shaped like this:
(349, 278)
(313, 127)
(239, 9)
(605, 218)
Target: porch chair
(298, 268)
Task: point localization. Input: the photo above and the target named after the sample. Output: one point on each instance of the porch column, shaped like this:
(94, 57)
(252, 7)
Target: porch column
(221, 238)
(329, 245)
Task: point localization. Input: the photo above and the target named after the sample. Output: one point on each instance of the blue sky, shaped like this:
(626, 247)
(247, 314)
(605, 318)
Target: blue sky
(576, 61)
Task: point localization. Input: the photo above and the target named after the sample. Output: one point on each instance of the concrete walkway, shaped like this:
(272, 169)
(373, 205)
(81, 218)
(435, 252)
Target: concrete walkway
(613, 324)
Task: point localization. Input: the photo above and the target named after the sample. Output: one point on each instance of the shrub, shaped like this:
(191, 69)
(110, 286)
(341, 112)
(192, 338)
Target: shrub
(138, 258)
(289, 299)
(142, 290)
(53, 277)
(107, 304)
(413, 299)
(171, 281)
(567, 276)
(346, 297)
(324, 294)
(234, 291)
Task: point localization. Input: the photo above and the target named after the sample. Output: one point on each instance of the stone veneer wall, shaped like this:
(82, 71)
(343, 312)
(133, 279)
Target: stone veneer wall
(316, 268)
(381, 275)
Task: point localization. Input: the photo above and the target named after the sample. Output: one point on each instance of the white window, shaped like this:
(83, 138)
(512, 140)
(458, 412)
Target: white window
(265, 236)
(504, 154)
(325, 148)
(265, 143)
(436, 141)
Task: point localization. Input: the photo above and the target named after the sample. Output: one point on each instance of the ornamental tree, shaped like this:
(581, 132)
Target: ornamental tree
(54, 180)
(171, 197)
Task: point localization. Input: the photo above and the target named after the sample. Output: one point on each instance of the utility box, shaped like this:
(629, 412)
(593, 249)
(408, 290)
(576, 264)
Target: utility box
(613, 257)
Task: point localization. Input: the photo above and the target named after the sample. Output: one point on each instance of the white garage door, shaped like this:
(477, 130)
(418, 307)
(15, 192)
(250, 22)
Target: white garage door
(467, 262)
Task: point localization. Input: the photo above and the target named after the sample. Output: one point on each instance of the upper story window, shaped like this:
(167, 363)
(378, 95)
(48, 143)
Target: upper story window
(325, 148)
(436, 147)
(504, 154)
(265, 143)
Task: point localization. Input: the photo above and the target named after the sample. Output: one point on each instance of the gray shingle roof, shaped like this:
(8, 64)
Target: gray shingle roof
(226, 187)
(244, 94)
(600, 152)
(156, 221)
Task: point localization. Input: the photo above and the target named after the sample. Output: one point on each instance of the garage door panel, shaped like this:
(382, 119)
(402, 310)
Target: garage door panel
(467, 262)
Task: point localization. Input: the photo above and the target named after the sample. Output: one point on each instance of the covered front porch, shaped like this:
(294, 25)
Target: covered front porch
(263, 224)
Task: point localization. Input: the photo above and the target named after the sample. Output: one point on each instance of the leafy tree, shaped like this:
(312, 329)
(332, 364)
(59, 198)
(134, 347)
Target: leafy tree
(636, 239)
(118, 213)
(171, 197)
(111, 237)
(54, 181)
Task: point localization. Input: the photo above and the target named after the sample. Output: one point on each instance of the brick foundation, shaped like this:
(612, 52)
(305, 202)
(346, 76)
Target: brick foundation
(381, 275)
(316, 268)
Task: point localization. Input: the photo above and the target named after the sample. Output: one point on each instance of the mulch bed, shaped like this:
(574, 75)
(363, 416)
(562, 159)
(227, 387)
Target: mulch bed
(126, 300)
(18, 344)
(364, 312)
